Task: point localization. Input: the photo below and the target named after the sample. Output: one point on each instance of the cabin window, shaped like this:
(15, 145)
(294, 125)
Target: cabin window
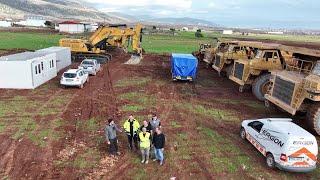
(268, 55)
(39, 69)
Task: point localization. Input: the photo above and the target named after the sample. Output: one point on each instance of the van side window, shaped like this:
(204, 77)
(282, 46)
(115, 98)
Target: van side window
(256, 125)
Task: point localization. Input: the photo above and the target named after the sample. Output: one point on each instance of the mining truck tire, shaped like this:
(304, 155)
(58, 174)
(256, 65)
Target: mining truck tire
(260, 86)
(313, 118)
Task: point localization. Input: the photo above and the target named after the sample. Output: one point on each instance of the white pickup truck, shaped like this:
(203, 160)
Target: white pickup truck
(91, 66)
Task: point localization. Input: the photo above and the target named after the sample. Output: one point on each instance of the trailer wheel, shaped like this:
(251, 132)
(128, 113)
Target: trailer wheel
(270, 161)
(313, 118)
(260, 86)
(243, 133)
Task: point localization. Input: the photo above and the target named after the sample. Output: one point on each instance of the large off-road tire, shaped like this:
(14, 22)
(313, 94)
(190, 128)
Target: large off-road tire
(260, 86)
(270, 161)
(313, 118)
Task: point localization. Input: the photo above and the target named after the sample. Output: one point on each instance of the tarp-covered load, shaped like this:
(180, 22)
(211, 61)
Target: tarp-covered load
(184, 67)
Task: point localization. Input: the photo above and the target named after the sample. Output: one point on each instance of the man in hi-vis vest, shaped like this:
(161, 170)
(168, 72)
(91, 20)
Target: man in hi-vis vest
(144, 137)
(131, 127)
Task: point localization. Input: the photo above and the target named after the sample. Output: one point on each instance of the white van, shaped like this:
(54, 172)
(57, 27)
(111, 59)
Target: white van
(284, 144)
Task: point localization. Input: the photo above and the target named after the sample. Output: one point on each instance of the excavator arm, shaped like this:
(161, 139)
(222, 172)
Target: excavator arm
(118, 37)
(104, 36)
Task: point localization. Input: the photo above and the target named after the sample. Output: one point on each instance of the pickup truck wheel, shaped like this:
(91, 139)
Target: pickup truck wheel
(313, 118)
(243, 133)
(260, 86)
(270, 161)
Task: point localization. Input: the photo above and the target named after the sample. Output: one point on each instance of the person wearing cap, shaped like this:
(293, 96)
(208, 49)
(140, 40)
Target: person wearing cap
(111, 136)
(131, 127)
(145, 142)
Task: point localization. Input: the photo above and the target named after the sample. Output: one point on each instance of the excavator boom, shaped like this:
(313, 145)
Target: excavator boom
(105, 37)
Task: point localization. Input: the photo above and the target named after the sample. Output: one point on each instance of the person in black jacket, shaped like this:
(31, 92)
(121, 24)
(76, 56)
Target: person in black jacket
(159, 142)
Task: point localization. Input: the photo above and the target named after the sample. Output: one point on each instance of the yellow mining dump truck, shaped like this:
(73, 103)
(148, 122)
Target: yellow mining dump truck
(105, 36)
(200, 54)
(221, 46)
(255, 72)
(297, 88)
(223, 61)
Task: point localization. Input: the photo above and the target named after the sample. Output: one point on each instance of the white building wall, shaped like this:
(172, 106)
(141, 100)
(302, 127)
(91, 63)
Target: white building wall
(48, 72)
(227, 32)
(22, 74)
(63, 56)
(72, 28)
(32, 22)
(15, 75)
(5, 24)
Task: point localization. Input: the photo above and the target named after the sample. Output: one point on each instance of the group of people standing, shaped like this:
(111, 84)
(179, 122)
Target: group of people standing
(147, 137)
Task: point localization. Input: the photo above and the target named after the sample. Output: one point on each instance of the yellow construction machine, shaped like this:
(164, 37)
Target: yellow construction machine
(297, 88)
(102, 39)
(233, 50)
(255, 72)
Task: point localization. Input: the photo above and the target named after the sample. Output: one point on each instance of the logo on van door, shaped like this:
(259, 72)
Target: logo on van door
(272, 138)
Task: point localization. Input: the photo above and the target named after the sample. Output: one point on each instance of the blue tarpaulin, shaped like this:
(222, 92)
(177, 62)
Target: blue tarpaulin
(184, 66)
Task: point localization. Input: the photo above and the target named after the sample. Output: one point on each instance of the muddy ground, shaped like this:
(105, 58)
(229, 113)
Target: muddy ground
(56, 133)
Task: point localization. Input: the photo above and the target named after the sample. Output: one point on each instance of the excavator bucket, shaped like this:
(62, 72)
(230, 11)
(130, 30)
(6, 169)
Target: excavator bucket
(135, 59)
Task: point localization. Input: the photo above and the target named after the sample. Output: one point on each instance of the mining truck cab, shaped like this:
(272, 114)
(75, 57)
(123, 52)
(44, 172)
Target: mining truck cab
(223, 61)
(246, 71)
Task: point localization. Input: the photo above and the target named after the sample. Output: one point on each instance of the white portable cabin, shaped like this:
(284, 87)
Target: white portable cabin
(63, 55)
(27, 70)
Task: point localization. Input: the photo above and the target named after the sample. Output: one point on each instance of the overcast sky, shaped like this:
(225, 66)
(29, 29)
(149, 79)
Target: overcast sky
(232, 13)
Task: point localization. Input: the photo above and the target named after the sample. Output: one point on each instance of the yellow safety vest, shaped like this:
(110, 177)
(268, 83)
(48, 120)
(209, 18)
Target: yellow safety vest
(126, 126)
(144, 140)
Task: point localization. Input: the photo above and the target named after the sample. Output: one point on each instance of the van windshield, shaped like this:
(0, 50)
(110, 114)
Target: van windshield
(69, 75)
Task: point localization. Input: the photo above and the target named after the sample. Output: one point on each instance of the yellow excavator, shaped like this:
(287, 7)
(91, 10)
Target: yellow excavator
(99, 43)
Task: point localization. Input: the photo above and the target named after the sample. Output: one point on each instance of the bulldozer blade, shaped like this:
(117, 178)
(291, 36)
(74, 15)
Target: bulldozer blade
(135, 59)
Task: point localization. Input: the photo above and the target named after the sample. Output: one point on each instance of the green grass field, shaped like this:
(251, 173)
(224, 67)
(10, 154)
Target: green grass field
(182, 42)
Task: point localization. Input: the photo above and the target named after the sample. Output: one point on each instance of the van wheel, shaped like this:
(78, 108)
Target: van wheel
(313, 118)
(243, 133)
(260, 86)
(270, 161)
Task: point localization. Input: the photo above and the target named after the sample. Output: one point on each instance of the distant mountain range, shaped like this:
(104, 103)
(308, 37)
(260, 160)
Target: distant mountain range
(84, 11)
(54, 9)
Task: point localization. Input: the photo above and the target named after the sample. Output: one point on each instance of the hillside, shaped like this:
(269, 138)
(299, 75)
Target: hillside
(55, 9)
